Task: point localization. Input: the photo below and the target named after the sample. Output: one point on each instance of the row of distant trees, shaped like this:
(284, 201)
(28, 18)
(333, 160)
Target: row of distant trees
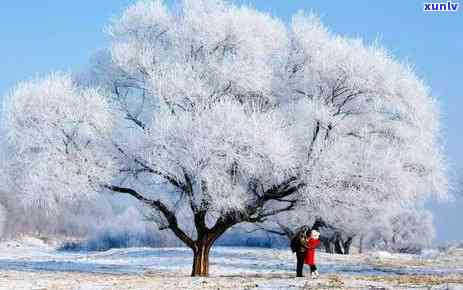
(212, 115)
(404, 231)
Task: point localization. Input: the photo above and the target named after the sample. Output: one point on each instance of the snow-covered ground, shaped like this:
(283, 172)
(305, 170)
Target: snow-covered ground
(31, 264)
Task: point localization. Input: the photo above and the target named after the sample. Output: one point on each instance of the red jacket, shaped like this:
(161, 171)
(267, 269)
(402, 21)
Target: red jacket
(310, 253)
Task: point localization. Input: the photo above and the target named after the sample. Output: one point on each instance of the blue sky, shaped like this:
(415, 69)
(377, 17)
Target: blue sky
(37, 37)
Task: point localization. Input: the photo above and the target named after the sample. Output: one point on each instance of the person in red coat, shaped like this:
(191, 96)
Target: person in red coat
(312, 243)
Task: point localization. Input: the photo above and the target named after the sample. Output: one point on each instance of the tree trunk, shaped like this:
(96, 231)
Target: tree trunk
(328, 247)
(361, 244)
(347, 245)
(201, 259)
(338, 247)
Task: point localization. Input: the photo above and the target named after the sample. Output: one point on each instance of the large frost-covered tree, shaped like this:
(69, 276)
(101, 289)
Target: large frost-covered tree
(224, 114)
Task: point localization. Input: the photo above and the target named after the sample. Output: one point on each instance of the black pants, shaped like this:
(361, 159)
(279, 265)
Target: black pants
(300, 264)
(313, 268)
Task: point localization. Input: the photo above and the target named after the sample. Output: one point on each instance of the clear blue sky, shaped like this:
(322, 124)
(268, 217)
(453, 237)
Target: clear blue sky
(46, 35)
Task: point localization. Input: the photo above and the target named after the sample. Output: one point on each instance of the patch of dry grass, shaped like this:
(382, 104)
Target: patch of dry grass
(421, 280)
(335, 281)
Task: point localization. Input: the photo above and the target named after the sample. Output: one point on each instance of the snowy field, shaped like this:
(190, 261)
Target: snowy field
(31, 264)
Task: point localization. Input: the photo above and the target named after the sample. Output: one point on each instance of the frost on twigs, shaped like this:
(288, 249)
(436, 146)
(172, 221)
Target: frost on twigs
(57, 132)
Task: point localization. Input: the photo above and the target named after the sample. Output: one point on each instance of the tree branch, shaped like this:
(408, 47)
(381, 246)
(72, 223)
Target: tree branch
(314, 138)
(158, 205)
(152, 170)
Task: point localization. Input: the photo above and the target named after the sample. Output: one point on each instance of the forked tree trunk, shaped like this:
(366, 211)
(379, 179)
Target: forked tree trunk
(201, 259)
(202, 246)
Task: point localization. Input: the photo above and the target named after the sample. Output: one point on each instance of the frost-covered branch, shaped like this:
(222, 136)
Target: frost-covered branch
(157, 204)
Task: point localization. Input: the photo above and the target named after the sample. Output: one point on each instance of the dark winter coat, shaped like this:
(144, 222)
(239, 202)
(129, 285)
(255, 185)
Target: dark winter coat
(312, 244)
(299, 242)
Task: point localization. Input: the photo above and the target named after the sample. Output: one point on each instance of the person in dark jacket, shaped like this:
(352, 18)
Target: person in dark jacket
(299, 246)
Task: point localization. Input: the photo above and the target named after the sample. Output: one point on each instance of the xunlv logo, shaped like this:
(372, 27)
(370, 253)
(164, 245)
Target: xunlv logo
(444, 6)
